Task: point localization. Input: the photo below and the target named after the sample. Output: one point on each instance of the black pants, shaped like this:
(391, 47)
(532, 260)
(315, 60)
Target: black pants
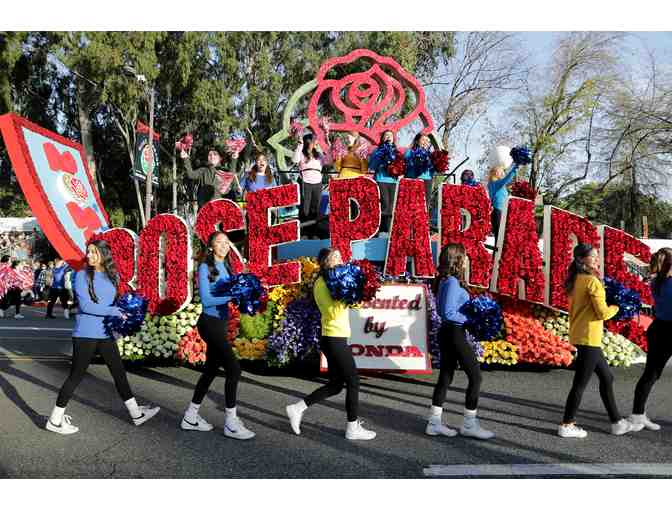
(455, 347)
(495, 220)
(387, 192)
(660, 351)
(55, 295)
(428, 197)
(12, 297)
(312, 196)
(589, 360)
(219, 354)
(342, 372)
(83, 351)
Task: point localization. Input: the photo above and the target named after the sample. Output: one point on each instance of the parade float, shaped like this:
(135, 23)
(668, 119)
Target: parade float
(395, 331)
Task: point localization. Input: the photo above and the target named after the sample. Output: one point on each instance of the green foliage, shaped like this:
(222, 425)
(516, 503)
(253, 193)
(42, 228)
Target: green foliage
(258, 325)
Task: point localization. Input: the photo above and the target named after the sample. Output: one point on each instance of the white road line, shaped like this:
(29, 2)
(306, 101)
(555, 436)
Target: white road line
(23, 328)
(476, 470)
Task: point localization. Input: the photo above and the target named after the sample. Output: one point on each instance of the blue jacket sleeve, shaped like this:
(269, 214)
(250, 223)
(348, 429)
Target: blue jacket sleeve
(499, 184)
(207, 299)
(86, 304)
(450, 299)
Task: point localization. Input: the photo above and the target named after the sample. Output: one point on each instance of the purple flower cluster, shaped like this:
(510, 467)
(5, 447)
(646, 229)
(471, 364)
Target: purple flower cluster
(298, 334)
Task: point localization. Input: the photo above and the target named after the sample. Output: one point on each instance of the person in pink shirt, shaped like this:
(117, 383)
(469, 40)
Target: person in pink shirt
(310, 163)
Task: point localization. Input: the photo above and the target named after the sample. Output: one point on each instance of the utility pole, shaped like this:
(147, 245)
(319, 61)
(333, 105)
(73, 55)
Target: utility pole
(150, 170)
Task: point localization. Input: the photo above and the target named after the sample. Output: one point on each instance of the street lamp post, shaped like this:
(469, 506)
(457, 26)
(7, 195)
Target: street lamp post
(150, 169)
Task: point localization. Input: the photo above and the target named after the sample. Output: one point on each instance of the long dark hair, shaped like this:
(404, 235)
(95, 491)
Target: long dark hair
(307, 138)
(416, 141)
(255, 169)
(577, 267)
(451, 263)
(382, 137)
(109, 268)
(323, 259)
(664, 263)
(209, 257)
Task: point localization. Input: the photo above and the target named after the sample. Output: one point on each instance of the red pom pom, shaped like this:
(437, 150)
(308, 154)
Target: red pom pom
(523, 189)
(441, 161)
(372, 279)
(398, 167)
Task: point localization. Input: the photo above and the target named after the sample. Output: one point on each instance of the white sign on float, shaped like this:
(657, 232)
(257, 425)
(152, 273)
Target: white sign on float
(390, 332)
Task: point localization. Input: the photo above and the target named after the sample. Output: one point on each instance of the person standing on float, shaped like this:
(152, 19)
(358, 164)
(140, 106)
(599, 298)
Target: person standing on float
(426, 173)
(335, 321)
(498, 179)
(659, 336)
(310, 163)
(449, 287)
(212, 325)
(96, 290)
(213, 181)
(259, 177)
(588, 310)
(386, 182)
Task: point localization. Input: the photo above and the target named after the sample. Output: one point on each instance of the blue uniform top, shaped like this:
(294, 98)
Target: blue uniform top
(58, 281)
(205, 287)
(450, 298)
(258, 183)
(377, 164)
(497, 189)
(415, 173)
(663, 301)
(89, 320)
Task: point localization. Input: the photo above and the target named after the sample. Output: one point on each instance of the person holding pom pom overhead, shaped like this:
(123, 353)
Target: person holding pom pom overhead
(212, 325)
(588, 310)
(451, 295)
(379, 161)
(335, 322)
(96, 290)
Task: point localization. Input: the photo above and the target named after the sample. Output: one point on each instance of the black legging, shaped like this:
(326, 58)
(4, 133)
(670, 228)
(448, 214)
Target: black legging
(659, 352)
(54, 295)
(219, 354)
(83, 351)
(455, 347)
(428, 197)
(495, 220)
(589, 360)
(312, 196)
(342, 371)
(387, 191)
(12, 297)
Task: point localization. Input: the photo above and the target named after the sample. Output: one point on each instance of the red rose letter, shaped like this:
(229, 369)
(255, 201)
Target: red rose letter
(518, 258)
(165, 256)
(475, 203)
(616, 244)
(124, 246)
(262, 236)
(562, 231)
(343, 229)
(221, 215)
(410, 231)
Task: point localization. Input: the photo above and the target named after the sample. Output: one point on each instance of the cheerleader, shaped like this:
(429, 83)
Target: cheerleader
(658, 336)
(259, 177)
(96, 289)
(451, 294)
(588, 310)
(212, 325)
(498, 179)
(335, 322)
(386, 182)
(351, 164)
(310, 163)
(419, 165)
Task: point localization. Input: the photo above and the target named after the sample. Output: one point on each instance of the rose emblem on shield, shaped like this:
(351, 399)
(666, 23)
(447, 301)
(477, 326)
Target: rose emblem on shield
(73, 188)
(370, 101)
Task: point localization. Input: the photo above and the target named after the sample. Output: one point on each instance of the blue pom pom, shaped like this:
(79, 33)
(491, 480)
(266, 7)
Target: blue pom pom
(387, 152)
(629, 301)
(521, 155)
(484, 317)
(420, 161)
(346, 283)
(134, 307)
(244, 289)
(471, 182)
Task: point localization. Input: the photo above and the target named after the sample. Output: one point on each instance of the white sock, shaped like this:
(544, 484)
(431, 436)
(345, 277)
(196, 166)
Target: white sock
(230, 413)
(192, 410)
(300, 405)
(435, 412)
(132, 407)
(57, 415)
(352, 424)
(469, 413)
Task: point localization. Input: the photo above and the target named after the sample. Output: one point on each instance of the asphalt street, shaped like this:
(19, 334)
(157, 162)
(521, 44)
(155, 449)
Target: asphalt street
(522, 407)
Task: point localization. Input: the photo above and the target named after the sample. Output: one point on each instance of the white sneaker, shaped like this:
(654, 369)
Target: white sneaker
(621, 427)
(66, 313)
(2, 314)
(147, 413)
(19, 316)
(197, 423)
(233, 427)
(642, 421)
(294, 418)
(355, 431)
(472, 428)
(64, 428)
(571, 430)
(436, 428)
